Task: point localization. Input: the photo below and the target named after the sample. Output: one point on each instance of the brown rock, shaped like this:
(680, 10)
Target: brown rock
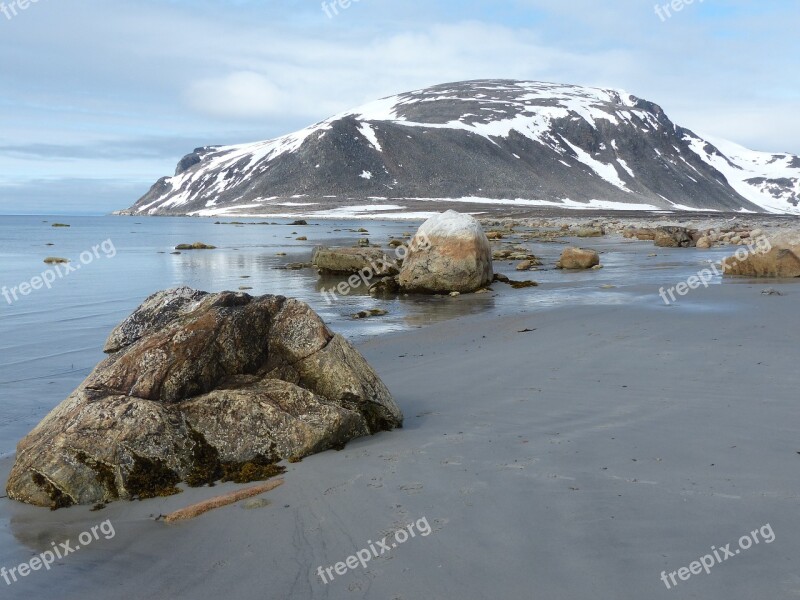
(645, 234)
(778, 262)
(525, 265)
(578, 258)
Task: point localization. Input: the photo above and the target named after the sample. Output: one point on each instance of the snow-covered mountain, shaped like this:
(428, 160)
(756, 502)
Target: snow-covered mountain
(485, 143)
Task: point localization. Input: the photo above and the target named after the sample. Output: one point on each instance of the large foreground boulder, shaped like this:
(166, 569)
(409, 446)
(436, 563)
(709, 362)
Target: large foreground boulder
(449, 253)
(578, 258)
(779, 257)
(200, 387)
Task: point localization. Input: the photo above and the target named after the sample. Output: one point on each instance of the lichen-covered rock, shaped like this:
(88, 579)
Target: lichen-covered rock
(578, 258)
(450, 252)
(200, 387)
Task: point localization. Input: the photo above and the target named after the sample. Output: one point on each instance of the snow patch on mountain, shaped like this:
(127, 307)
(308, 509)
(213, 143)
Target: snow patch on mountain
(769, 180)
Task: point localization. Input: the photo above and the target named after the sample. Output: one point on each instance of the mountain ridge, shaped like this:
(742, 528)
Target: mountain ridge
(484, 143)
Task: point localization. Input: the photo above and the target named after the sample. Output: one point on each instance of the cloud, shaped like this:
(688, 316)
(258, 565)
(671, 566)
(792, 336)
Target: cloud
(292, 76)
(240, 95)
(151, 147)
(58, 196)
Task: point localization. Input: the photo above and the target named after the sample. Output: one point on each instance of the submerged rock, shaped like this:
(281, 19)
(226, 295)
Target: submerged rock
(519, 285)
(450, 252)
(366, 314)
(386, 286)
(195, 246)
(200, 387)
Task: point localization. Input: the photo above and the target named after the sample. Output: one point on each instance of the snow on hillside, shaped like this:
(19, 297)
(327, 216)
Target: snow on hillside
(769, 180)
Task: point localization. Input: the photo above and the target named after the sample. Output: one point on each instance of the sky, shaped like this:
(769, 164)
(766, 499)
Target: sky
(100, 98)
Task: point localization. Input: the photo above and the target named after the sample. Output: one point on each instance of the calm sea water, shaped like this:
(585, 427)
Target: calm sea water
(51, 338)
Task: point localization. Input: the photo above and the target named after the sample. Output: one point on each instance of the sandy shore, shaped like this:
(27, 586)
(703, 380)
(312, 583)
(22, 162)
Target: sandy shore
(578, 460)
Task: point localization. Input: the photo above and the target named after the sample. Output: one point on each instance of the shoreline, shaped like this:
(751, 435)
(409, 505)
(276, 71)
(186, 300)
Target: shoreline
(519, 213)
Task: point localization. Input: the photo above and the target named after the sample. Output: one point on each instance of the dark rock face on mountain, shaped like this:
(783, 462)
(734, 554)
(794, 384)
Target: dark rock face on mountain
(524, 144)
(192, 159)
(201, 387)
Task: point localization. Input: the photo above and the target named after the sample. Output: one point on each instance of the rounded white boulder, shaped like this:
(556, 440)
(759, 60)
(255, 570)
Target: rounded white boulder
(450, 252)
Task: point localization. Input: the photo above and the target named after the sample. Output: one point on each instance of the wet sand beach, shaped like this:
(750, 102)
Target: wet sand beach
(570, 450)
